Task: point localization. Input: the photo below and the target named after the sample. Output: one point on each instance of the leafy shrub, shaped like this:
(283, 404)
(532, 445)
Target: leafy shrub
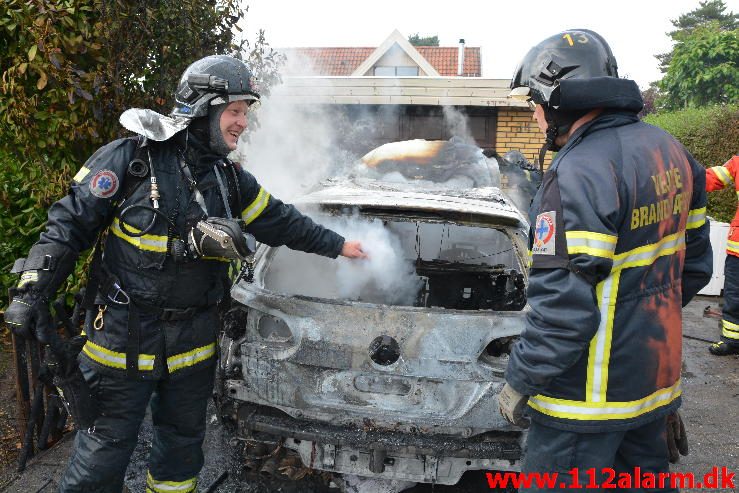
(711, 135)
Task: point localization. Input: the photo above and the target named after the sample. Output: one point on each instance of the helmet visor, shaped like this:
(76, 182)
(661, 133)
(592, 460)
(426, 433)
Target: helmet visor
(523, 94)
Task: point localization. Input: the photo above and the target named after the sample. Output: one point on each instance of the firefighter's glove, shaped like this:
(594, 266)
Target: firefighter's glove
(45, 269)
(25, 313)
(511, 405)
(221, 237)
(677, 439)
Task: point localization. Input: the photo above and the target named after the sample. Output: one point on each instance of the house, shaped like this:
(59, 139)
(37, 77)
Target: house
(406, 89)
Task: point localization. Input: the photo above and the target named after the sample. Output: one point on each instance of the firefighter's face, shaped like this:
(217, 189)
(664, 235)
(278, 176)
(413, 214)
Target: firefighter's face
(233, 122)
(541, 120)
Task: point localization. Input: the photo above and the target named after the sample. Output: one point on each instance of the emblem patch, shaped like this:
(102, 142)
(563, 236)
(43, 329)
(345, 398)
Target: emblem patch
(545, 234)
(104, 184)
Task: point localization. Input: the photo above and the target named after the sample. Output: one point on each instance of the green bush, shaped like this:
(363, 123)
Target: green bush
(711, 134)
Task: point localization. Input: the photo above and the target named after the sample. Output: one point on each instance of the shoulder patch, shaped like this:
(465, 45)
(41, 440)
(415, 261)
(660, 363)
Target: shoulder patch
(104, 184)
(545, 233)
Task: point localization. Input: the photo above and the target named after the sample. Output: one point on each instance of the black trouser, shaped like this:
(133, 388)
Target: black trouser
(551, 450)
(101, 454)
(730, 316)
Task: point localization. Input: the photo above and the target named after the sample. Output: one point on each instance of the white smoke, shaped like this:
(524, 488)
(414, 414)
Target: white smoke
(294, 146)
(456, 124)
(386, 275)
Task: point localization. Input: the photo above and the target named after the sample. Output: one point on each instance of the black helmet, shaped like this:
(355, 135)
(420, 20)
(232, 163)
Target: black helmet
(572, 54)
(213, 80)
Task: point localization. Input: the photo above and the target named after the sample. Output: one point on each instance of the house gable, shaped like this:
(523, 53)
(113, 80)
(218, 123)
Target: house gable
(393, 48)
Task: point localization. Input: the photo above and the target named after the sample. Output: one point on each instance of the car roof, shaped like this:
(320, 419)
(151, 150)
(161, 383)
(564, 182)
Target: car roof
(476, 205)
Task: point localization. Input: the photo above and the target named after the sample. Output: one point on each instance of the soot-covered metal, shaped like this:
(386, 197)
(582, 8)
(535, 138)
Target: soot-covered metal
(368, 382)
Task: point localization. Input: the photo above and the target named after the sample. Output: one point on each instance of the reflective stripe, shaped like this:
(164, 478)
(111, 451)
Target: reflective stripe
(696, 218)
(647, 254)
(732, 246)
(81, 174)
(114, 359)
(590, 243)
(730, 330)
(190, 358)
(153, 243)
(599, 354)
(599, 411)
(28, 276)
(255, 208)
(165, 486)
(218, 259)
(723, 175)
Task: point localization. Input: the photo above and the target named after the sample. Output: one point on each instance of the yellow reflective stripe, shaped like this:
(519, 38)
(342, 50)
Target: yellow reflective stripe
(28, 276)
(590, 243)
(255, 208)
(723, 175)
(81, 174)
(115, 359)
(166, 486)
(218, 259)
(598, 411)
(696, 218)
(190, 358)
(599, 355)
(153, 243)
(732, 246)
(647, 254)
(730, 330)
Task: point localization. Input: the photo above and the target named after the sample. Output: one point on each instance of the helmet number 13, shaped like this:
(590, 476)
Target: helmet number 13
(580, 38)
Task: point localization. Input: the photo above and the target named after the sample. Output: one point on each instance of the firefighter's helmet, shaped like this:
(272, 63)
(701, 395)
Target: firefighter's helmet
(571, 54)
(213, 80)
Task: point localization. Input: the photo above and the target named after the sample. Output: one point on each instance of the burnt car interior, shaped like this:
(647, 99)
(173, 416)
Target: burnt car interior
(456, 267)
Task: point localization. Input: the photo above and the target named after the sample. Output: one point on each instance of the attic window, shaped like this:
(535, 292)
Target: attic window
(396, 71)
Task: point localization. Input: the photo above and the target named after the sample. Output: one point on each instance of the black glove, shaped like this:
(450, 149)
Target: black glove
(677, 439)
(45, 269)
(26, 311)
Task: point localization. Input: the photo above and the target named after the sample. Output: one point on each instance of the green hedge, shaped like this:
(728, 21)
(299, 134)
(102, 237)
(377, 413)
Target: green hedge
(711, 135)
(26, 192)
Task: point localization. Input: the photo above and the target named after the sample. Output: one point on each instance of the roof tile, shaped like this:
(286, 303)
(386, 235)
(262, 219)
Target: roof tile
(344, 61)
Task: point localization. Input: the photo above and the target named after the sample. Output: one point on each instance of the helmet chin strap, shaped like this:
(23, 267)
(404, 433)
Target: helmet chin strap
(559, 123)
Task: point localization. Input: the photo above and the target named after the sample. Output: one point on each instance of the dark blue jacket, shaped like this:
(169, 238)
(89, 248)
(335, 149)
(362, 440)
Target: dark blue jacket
(619, 244)
(143, 266)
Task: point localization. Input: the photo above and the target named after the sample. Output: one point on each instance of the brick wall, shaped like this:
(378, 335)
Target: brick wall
(517, 130)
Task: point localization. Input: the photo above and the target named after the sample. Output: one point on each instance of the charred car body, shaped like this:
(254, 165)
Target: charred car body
(394, 382)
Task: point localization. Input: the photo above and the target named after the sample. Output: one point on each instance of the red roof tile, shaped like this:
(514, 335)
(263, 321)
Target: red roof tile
(327, 61)
(444, 60)
(344, 61)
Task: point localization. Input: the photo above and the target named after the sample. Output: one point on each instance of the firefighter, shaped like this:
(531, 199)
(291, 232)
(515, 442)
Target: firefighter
(173, 206)
(717, 178)
(619, 243)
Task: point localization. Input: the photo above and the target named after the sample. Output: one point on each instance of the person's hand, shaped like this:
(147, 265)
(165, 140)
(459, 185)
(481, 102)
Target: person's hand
(24, 313)
(677, 439)
(511, 404)
(353, 249)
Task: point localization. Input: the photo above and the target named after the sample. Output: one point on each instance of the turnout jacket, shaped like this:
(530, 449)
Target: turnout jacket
(619, 244)
(717, 178)
(141, 265)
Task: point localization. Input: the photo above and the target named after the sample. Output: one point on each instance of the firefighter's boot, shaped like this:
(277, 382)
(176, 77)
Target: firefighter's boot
(721, 348)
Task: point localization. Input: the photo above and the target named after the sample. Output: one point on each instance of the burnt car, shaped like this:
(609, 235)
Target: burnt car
(388, 370)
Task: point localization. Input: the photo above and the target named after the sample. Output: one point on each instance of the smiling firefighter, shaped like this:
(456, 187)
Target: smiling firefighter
(175, 211)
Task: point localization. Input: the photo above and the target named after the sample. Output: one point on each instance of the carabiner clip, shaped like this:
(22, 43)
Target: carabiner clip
(98, 323)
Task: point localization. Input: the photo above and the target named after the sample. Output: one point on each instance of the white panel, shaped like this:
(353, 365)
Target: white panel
(719, 235)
